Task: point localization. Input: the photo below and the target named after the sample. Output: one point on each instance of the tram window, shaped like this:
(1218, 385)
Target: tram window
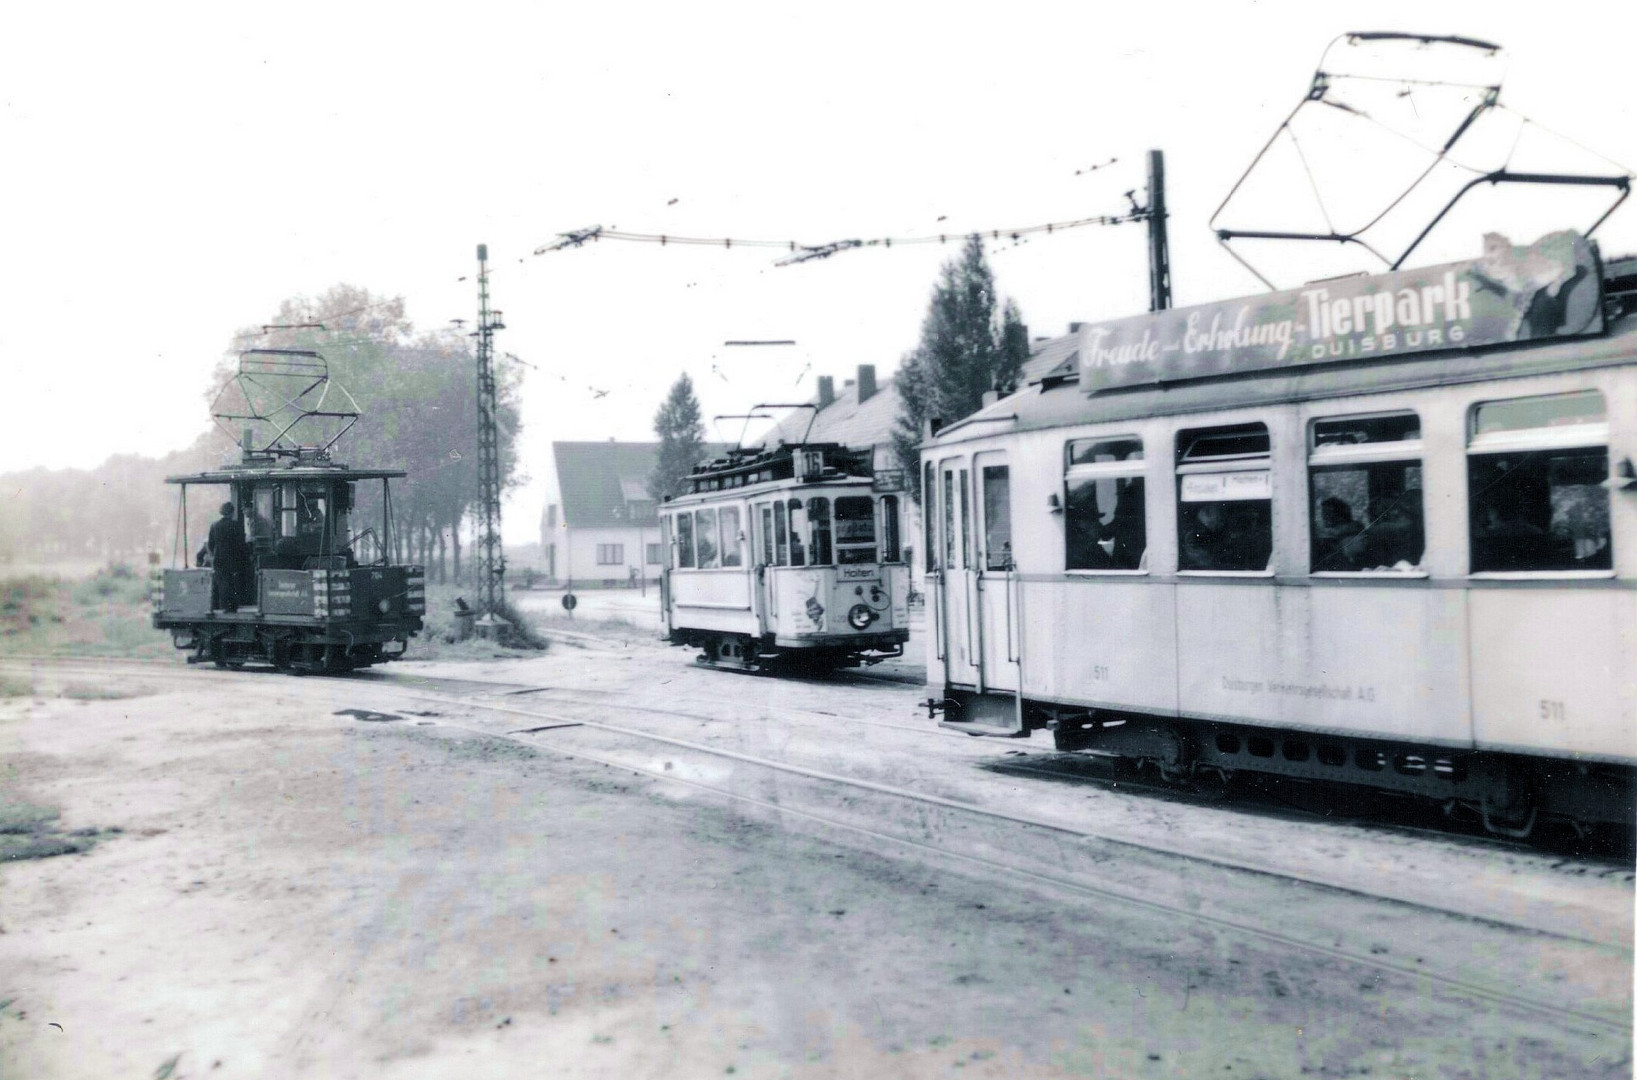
(966, 520)
(728, 520)
(997, 518)
(261, 521)
(767, 535)
(1224, 518)
(287, 510)
(818, 519)
(781, 538)
(929, 498)
(1105, 509)
(949, 518)
(1535, 471)
(798, 530)
(891, 548)
(855, 529)
(704, 537)
(1364, 494)
(684, 540)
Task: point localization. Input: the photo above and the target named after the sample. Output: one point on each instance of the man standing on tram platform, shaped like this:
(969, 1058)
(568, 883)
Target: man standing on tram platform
(228, 555)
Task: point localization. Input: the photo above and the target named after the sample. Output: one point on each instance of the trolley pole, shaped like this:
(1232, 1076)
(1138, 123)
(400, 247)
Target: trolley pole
(491, 556)
(1159, 250)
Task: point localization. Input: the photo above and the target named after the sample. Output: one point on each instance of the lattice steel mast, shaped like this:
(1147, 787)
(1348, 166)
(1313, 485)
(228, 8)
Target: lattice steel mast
(491, 557)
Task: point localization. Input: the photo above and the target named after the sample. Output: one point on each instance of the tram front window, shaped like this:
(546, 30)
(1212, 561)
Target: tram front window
(729, 522)
(705, 538)
(855, 529)
(684, 540)
(891, 548)
(818, 520)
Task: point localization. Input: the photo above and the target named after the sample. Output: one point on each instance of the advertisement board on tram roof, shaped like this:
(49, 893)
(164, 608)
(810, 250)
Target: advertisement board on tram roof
(1549, 289)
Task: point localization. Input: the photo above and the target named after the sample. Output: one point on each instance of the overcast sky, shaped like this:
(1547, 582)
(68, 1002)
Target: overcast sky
(172, 173)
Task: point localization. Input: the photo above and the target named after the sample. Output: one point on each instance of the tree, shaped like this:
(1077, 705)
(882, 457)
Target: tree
(681, 440)
(418, 396)
(964, 351)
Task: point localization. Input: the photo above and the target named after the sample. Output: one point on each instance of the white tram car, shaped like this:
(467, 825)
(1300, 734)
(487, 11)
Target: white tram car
(790, 553)
(1380, 530)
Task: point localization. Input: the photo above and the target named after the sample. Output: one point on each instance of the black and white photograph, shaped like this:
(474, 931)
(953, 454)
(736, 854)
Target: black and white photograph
(884, 540)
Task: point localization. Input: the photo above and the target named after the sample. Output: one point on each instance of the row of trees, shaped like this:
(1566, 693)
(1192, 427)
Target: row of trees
(417, 394)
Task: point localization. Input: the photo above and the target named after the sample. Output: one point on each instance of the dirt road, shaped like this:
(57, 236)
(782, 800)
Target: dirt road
(295, 892)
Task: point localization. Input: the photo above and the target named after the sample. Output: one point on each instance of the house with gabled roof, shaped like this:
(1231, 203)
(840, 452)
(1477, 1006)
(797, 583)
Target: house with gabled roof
(600, 527)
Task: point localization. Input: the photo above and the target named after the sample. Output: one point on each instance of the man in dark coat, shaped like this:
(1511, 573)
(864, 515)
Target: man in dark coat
(228, 556)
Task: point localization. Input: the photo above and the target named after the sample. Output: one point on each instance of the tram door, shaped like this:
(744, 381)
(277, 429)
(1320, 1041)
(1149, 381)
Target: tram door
(994, 573)
(960, 623)
(766, 588)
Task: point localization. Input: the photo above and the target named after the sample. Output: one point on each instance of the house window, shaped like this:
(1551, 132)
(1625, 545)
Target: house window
(1364, 493)
(653, 555)
(610, 554)
(1104, 517)
(1535, 474)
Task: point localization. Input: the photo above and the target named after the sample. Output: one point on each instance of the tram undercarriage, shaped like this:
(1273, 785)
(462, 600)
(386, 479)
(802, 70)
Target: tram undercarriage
(742, 652)
(1509, 794)
(289, 649)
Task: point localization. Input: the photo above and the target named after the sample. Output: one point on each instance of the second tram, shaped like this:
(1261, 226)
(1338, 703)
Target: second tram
(787, 554)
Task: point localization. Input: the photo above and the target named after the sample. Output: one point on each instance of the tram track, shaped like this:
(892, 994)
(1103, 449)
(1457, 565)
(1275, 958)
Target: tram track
(470, 693)
(941, 821)
(549, 731)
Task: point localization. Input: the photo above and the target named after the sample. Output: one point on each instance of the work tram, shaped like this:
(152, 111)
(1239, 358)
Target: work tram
(285, 580)
(1379, 530)
(791, 555)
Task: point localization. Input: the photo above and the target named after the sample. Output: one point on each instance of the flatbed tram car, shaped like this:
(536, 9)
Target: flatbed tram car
(301, 601)
(1379, 531)
(790, 553)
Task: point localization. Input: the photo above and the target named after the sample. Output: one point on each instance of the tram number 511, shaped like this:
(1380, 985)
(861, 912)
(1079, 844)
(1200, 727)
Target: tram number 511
(1552, 710)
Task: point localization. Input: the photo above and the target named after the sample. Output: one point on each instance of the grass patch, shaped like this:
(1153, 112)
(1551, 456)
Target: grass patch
(78, 691)
(28, 831)
(439, 638)
(10, 686)
(104, 614)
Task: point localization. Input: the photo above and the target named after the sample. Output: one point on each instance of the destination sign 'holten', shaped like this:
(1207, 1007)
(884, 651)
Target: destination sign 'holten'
(1551, 288)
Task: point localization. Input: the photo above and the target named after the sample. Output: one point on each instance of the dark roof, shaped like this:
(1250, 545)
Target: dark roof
(1048, 355)
(844, 420)
(605, 484)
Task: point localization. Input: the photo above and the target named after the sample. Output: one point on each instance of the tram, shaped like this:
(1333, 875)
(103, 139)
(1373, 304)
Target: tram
(791, 554)
(291, 583)
(1379, 530)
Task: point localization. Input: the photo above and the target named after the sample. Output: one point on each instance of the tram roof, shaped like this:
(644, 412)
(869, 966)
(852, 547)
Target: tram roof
(1056, 401)
(233, 473)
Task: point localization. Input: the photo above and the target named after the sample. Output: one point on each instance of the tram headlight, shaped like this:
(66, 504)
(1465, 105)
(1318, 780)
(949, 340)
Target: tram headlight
(860, 616)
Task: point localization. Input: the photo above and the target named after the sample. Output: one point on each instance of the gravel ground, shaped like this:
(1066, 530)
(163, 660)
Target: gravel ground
(293, 892)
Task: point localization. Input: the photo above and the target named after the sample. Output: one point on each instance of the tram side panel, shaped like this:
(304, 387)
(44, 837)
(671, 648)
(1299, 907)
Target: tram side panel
(715, 600)
(1555, 662)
